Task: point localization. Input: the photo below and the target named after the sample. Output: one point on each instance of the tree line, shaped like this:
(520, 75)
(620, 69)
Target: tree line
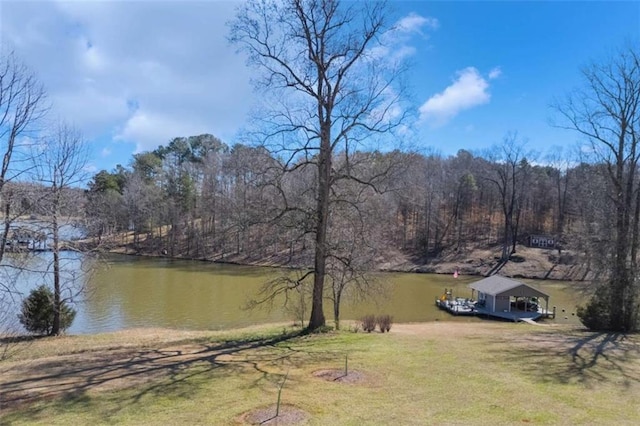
(197, 197)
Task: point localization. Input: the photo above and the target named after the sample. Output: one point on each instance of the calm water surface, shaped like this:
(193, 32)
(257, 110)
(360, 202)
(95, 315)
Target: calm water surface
(149, 292)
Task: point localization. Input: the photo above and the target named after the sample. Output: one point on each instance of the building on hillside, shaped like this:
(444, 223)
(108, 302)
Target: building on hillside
(542, 241)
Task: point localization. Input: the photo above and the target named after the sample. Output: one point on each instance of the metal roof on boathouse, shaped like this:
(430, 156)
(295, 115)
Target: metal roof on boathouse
(497, 285)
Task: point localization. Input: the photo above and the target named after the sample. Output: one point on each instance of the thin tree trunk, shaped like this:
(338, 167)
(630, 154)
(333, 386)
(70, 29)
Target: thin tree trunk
(336, 308)
(55, 329)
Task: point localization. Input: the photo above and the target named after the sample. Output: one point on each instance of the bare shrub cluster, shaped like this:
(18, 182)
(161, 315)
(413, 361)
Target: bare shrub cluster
(383, 322)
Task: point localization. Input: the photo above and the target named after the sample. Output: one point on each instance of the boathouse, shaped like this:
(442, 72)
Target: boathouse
(507, 298)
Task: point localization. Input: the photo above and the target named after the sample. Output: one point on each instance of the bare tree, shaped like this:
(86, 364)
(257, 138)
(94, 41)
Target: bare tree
(60, 166)
(562, 161)
(509, 172)
(606, 112)
(22, 105)
(332, 91)
(355, 247)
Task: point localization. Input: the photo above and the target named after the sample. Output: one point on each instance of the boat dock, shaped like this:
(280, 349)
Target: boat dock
(463, 306)
(517, 315)
(456, 306)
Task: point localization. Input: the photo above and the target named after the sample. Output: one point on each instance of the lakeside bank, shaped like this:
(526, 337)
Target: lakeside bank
(479, 260)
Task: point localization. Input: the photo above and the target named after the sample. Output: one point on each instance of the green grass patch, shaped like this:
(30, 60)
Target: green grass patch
(436, 373)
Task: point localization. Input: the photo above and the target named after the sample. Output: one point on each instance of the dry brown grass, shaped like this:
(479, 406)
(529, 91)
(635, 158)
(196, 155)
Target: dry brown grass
(431, 373)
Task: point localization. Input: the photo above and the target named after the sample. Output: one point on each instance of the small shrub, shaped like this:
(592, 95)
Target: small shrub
(384, 323)
(324, 329)
(595, 315)
(369, 323)
(37, 312)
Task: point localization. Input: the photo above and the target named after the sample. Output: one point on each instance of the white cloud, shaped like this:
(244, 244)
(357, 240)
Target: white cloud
(395, 45)
(413, 23)
(135, 74)
(468, 90)
(150, 129)
(495, 73)
(141, 72)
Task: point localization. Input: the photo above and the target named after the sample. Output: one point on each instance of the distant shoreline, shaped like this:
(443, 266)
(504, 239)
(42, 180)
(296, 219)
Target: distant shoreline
(527, 263)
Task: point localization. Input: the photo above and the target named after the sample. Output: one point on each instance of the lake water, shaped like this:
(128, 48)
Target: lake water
(130, 291)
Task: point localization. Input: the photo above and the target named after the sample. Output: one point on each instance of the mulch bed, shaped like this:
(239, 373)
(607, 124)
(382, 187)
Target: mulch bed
(337, 375)
(288, 415)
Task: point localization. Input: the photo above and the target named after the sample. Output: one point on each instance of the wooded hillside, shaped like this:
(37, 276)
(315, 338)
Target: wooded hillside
(199, 198)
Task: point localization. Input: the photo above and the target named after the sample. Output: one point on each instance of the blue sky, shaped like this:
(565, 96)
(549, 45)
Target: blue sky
(539, 49)
(132, 75)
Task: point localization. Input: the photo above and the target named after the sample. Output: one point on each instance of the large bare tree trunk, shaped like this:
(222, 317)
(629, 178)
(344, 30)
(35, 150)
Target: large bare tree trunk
(322, 221)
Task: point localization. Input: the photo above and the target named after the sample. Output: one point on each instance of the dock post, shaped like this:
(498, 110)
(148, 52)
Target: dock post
(554, 313)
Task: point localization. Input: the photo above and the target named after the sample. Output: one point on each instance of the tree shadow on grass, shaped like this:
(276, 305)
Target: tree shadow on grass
(171, 371)
(581, 357)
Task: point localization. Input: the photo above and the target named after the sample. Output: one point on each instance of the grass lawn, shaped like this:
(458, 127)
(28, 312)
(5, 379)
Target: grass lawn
(432, 373)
